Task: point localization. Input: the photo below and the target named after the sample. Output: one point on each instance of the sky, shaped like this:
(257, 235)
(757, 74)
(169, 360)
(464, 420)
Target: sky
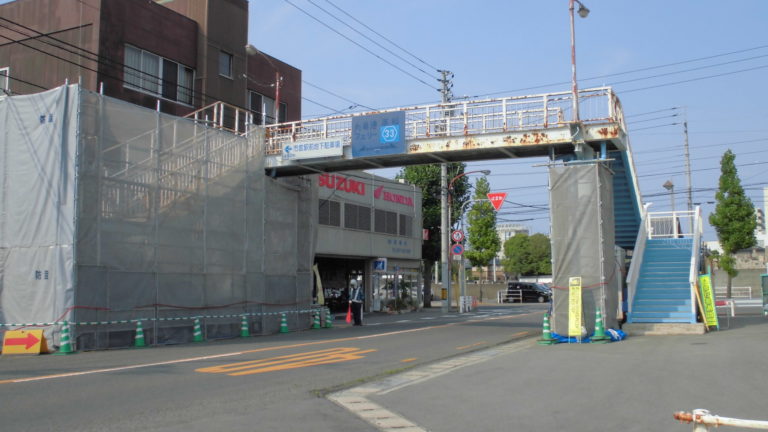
(700, 61)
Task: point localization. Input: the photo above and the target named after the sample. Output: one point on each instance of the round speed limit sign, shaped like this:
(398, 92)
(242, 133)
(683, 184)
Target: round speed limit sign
(457, 236)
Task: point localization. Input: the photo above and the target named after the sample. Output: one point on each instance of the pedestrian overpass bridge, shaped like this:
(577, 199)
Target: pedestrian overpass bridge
(533, 126)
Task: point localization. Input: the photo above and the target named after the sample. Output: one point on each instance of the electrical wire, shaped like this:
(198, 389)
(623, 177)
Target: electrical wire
(360, 45)
(371, 40)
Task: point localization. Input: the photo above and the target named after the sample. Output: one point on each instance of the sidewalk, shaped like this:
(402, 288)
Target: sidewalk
(632, 385)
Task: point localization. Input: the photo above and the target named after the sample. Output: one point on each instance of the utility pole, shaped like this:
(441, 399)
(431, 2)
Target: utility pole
(445, 91)
(688, 166)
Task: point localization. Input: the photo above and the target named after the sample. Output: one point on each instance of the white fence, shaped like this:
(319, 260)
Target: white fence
(736, 292)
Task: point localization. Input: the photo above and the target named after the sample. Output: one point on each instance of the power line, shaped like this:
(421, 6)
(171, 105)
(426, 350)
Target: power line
(359, 45)
(382, 36)
(337, 95)
(651, 112)
(373, 41)
(695, 79)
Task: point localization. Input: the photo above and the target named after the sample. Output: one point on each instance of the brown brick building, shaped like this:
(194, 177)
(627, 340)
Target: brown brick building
(180, 54)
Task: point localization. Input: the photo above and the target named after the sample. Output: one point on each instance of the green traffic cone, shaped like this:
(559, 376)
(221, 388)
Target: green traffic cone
(328, 318)
(66, 346)
(316, 321)
(546, 334)
(197, 331)
(599, 336)
(139, 338)
(283, 324)
(244, 331)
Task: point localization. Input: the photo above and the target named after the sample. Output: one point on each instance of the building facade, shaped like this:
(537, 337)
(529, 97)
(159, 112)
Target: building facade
(370, 231)
(176, 56)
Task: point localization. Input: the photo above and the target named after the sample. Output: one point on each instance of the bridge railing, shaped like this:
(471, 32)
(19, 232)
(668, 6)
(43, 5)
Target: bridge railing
(463, 118)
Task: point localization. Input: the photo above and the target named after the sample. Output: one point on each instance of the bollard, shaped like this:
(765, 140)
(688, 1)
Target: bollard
(139, 338)
(197, 331)
(244, 330)
(283, 324)
(66, 345)
(316, 320)
(328, 318)
(546, 334)
(599, 337)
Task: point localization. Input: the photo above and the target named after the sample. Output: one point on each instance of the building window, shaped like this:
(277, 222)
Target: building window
(385, 222)
(357, 217)
(406, 225)
(156, 75)
(263, 109)
(5, 82)
(330, 213)
(225, 64)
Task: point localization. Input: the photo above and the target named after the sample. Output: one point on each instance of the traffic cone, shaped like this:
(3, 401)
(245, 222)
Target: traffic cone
(197, 331)
(599, 336)
(546, 334)
(139, 338)
(244, 331)
(66, 346)
(283, 324)
(328, 318)
(316, 321)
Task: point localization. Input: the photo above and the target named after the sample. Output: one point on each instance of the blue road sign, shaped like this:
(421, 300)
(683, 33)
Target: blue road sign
(457, 249)
(378, 134)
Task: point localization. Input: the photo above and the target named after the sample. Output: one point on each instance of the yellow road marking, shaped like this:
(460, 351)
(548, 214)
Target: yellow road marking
(408, 360)
(470, 346)
(231, 354)
(293, 361)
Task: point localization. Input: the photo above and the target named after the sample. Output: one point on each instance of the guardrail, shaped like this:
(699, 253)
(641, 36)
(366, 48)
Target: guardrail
(736, 292)
(509, 296)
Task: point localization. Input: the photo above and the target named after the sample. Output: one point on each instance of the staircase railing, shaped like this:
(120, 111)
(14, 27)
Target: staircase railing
(693, 277)
(633, 274)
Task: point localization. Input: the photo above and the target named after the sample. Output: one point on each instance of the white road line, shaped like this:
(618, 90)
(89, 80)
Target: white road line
(356, 399)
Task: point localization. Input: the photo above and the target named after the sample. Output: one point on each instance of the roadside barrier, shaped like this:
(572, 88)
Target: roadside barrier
(599, 337)
(283, 324)
(244, 330)
(316, 320)
(66, 344)
(546, 335)
(139, 341)
(702, 421)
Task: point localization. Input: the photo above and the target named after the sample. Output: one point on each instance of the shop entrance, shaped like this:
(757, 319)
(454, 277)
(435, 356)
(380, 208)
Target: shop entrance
(335, 275)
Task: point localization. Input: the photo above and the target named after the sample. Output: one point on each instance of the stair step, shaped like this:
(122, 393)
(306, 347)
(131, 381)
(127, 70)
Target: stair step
(655, 307)
(661, 320)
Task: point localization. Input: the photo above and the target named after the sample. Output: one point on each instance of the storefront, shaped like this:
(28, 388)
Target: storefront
(366, 220)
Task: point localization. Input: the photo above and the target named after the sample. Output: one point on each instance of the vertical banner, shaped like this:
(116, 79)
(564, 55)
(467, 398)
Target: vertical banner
(708, 300)
(574, 307)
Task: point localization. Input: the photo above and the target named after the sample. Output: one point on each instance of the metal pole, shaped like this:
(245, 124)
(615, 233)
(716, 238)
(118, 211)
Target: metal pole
(574, 84)
(444, 244)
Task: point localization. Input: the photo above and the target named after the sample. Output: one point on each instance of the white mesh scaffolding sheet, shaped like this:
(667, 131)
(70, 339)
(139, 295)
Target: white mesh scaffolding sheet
(176, 220)
(37, 208)
(581, 201)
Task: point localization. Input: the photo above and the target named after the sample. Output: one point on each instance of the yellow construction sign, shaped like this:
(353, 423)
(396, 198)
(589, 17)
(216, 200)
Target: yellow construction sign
(24, 342)
(708, 300)
(574, 307)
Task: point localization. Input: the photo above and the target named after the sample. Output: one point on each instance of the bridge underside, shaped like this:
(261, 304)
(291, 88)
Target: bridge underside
(553, 141)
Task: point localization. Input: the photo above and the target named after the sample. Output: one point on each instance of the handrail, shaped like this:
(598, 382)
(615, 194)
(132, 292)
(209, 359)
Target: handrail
(454, 119)
(695, 252)
(633, 274)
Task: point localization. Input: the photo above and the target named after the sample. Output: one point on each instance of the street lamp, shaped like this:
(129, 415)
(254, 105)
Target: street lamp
(583, 12)
(446, 226)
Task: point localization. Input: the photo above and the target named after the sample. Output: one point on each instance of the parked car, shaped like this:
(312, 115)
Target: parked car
(527, 291)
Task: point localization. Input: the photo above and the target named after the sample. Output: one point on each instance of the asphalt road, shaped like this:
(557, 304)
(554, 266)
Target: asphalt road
(265, 383)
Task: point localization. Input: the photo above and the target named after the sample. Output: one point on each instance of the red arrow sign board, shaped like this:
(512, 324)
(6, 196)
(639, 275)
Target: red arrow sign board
(24, 342)
(497, 199)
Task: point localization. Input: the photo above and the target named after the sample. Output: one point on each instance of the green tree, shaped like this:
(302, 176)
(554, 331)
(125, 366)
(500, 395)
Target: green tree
(517, 259)
(526, 255)
(734, 216)
(541, 254)
(427, 177)
(481, 233)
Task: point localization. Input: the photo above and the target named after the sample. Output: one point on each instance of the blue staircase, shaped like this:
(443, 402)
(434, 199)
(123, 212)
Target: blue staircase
(626, 212)
(663, 293)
